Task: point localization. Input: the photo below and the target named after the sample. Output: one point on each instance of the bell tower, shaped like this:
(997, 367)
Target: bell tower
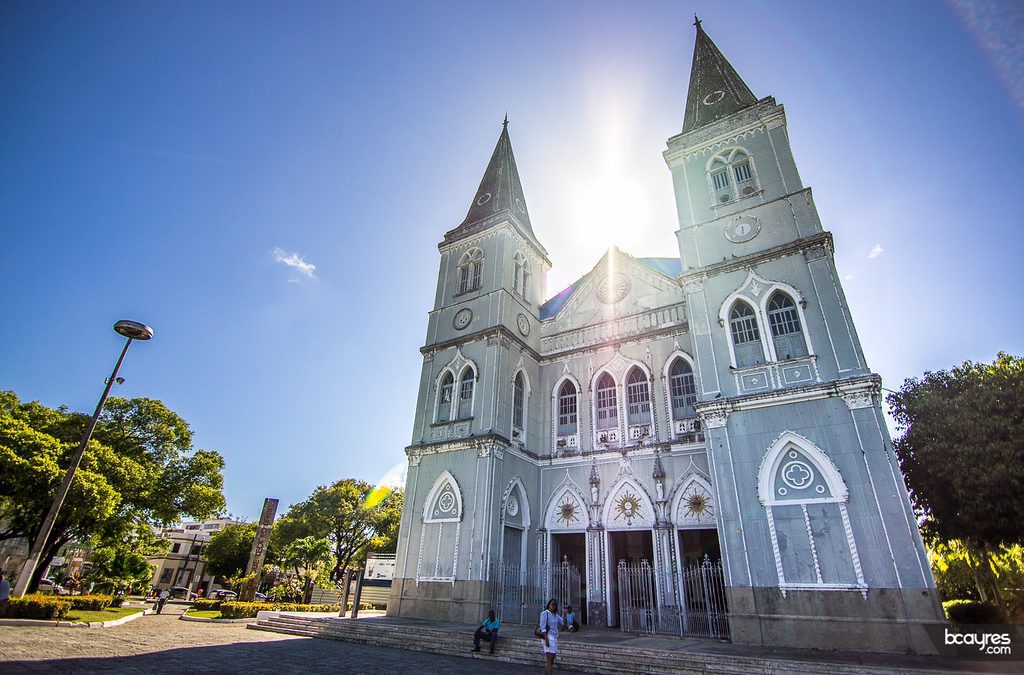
(786, 395)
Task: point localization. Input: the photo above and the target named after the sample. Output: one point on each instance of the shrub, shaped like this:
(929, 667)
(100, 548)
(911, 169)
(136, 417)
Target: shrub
(206, 604)
(248, 610)
(973, 611)
(243, 610)
(44, 607)
(297, 607)
(117, 601)
(92, 603)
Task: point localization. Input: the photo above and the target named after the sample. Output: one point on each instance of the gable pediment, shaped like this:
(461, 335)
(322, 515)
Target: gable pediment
(619, 286)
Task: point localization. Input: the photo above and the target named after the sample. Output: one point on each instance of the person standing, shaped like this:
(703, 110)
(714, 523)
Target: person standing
(5, 594)
(550, 622)
(162, 600)
(489, 630)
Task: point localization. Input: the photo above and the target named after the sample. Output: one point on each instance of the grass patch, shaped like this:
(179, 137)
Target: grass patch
(204, 613)
(108, 614)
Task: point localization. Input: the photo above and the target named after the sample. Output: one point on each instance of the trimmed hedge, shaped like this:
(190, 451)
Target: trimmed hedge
(248, 610)
(92, 603)
(45, 607)
(206, 604)
(973, 611)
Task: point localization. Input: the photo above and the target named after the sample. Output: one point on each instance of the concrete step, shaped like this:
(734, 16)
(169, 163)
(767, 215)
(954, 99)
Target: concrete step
(573, 656)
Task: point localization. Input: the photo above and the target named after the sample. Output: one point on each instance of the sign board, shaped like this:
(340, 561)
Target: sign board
(379, 568)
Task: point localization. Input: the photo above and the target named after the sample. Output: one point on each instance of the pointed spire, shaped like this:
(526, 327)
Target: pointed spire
(500, 194)
(716, 89)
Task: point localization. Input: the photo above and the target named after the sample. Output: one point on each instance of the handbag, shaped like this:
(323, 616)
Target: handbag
(537, 632)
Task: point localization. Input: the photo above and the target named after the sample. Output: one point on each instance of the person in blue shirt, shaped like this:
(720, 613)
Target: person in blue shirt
(487, 630)
(570, 619)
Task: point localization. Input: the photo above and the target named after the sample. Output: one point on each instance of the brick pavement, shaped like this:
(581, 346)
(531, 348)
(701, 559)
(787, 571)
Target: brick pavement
(163, 644)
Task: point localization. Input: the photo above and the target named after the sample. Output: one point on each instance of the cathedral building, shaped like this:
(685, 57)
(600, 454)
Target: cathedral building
(690, 445)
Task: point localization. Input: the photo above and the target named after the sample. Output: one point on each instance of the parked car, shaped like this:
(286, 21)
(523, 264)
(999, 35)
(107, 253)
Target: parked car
(51, 587)
(223, 594)
(261, 597)
(182, 593)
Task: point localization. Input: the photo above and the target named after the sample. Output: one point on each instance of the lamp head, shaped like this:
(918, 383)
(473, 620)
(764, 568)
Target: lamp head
(133, 330)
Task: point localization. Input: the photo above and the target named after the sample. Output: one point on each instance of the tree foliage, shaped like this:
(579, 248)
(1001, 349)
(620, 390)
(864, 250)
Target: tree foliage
(227, 552)
(962, 450)
(140, 467)
(311, 558)
(351, 514)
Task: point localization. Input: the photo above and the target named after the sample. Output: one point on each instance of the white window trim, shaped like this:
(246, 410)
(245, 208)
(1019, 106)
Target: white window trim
(526, 403)
(437, 395)
(619, 391)
(727, 156)
(446, 478)
(555, 436)
(798, 300)
(667, 376)
(458, 392)
(840, 495)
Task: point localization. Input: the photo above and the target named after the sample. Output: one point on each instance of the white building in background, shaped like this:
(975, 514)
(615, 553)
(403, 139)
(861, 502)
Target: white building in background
(183, 564)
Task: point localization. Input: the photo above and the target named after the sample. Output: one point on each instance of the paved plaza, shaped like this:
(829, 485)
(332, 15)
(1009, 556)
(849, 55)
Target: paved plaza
(164, 644)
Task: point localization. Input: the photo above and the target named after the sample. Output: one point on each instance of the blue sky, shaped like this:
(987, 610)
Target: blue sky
(164, 161)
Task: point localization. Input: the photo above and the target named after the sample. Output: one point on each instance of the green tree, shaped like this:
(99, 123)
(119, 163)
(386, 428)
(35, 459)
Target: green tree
(227, 552)
(139, 468)
(122, 565)
(962, 452)
(353, 515)
(311, 558)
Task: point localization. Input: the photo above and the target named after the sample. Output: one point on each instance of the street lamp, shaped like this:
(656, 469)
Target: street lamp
(132, 330)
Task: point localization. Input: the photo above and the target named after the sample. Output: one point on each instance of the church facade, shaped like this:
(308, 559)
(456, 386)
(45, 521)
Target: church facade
(709, 415)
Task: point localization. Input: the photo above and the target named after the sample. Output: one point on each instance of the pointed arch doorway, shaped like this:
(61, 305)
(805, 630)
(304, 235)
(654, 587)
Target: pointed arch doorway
(630, 544)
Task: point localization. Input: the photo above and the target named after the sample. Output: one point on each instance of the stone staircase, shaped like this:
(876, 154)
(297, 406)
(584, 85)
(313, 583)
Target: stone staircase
(573, 655)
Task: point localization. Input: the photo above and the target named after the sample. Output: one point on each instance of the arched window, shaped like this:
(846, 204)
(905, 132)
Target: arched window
(607, 403)
(682, 388)
(746, 338)
(466, 393)
(471, 268)
(638, 398)
(518, 401)
(522, 277)
(567, 407)
(787, 336)
(444, 398)
(732, 175)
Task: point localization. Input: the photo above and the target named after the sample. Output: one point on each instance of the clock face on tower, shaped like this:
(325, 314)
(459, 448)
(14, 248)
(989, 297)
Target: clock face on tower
(524, 324)
(462, 318)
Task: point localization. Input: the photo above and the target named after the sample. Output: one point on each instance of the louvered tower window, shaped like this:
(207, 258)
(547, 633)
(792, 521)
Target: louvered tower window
(607, 403)
(638, 397)
(444, 398)
(518, 401)
(466, 394)
(567, 405)
(471, 267)
(787, 335)
(682, 388)
(746, 338)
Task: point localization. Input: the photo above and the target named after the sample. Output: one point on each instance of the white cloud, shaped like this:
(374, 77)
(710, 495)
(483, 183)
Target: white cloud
(295, 261)
(876, 251)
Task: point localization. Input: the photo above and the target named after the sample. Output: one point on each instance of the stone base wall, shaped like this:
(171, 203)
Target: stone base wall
(461, 601)
(888, 620)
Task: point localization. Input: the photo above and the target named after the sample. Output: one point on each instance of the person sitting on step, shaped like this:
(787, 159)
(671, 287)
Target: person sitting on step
(570, 619)
(487, 630)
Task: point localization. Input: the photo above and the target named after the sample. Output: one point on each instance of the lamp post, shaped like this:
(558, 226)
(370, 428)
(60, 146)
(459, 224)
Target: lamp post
(132, 330)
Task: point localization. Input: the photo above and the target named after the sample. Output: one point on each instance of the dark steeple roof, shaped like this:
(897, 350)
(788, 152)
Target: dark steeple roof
(716, 89)
(499, 196)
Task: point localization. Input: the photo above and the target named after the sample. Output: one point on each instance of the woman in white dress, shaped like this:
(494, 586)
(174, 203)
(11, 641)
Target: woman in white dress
(550, 622)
